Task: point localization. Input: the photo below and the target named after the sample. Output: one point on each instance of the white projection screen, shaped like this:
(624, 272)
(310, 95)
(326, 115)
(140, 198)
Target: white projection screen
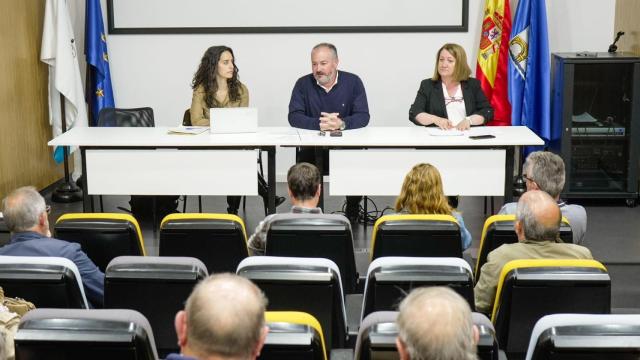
(285, 16)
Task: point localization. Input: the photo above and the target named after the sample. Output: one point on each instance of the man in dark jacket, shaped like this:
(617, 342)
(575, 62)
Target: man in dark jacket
(26, 216)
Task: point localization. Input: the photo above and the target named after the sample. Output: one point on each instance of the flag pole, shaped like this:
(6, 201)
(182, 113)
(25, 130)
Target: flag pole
(67, 192)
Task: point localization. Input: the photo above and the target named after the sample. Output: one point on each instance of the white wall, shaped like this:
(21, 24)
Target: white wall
(156, 70)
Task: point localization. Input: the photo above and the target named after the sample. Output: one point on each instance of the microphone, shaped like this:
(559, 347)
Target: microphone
(613, 47)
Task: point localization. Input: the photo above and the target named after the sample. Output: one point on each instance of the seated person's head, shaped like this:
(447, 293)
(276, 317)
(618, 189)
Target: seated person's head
(544, 170)
(24, 209)
(538, 217)
(304, 182)
(436, 323)
(223, 319)
(422, 192)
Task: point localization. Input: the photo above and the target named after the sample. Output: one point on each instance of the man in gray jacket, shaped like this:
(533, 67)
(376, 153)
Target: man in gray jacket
(544, 171)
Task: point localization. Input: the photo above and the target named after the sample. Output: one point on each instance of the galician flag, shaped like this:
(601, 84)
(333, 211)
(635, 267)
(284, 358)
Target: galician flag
(530, 73)
(493, 58)
(59, 52)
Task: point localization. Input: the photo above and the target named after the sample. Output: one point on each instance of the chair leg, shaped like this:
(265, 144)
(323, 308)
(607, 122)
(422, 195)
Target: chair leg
(101, 204)
(154, 217)
(485, 206)
(260, 162)
(244, 204)
(200, 203)
(184, 204)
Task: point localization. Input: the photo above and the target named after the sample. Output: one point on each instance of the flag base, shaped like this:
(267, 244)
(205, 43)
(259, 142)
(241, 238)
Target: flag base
(67, 192)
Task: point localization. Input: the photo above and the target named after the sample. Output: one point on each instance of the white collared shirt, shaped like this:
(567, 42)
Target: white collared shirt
(332, 85)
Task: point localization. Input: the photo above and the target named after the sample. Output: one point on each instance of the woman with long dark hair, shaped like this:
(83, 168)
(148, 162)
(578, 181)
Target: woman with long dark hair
(216, 85)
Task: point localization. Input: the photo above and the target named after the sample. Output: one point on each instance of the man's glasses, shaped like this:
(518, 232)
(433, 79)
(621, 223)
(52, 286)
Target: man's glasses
(48, 209)
(527, 178)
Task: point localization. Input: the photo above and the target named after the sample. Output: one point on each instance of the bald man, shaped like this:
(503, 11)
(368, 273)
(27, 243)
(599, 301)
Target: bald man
(223, 320)
(537, 226)
(436, 323)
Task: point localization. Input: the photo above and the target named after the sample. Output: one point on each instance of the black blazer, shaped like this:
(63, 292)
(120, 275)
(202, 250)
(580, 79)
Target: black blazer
(430, 99)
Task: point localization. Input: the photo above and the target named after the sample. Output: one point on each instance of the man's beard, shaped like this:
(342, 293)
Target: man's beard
(323, 79)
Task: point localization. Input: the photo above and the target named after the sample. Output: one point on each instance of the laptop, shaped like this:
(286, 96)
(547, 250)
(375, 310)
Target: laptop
(233, 120)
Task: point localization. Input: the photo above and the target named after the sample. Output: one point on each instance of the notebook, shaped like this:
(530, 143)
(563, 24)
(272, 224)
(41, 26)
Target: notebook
(233, 120)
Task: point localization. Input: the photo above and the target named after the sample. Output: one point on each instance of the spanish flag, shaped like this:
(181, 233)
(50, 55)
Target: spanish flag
(493, 58)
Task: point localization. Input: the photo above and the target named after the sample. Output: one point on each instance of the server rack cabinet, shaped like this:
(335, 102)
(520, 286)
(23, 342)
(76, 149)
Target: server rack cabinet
(596, 98)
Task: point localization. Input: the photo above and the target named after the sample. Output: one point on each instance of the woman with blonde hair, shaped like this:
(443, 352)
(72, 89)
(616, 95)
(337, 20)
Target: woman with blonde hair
(451, 98)
(422, 193)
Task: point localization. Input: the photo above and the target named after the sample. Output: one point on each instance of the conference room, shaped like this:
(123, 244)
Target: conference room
(108, 134)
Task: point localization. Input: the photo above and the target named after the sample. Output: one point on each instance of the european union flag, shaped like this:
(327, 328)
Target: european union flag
(529, 71)
(99, 90)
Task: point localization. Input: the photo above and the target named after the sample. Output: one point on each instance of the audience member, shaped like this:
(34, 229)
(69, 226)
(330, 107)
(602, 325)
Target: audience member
(223, 319)
(544, 171)
(537, 226)
(436, 323)
(304, 184)
(26, 216)
(328, 100)
(422, 193)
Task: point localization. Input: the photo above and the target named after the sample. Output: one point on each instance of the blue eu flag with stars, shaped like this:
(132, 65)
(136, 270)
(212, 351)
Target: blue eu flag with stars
(99, 90)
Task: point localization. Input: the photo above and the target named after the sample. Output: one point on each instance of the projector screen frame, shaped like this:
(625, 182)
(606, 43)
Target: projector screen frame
(463, 26)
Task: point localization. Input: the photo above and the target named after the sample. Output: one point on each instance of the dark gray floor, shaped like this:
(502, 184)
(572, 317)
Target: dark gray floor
(613, 233)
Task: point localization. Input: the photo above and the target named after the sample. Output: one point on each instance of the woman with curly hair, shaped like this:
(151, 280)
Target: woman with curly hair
(422, 193)
(216, 85)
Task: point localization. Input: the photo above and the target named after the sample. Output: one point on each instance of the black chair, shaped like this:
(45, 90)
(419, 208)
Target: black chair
(157, 287)
(186, 118)
(293, 336)
(315, 235)
(530, 289)
(51, 282)
(389, 279)
(378, 332)
(5, 234)
(102, 236)
(218, 240)
(135, 117)
(416, 235)
(590, 337)
(60, 334)
(310, 285)
(499, 230)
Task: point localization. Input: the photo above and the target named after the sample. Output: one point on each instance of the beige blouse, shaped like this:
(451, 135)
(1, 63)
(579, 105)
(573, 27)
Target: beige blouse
(200, 110)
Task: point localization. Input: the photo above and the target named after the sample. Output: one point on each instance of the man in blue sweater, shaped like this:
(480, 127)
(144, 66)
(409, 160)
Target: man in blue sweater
(25, 213)
(327, 100)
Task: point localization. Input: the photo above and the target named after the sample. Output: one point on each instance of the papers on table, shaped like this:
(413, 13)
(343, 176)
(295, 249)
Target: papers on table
(188, 130)
(434, 131)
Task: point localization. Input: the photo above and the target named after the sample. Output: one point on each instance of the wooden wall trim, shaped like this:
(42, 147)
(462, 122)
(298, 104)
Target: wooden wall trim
(627, 13)
(25, 158)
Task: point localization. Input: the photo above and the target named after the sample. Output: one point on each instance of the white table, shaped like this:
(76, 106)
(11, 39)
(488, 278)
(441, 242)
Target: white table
(368, 161)
(374, 160)
(150, 161)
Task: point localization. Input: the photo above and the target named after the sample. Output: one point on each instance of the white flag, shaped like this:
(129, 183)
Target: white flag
(59, 52)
